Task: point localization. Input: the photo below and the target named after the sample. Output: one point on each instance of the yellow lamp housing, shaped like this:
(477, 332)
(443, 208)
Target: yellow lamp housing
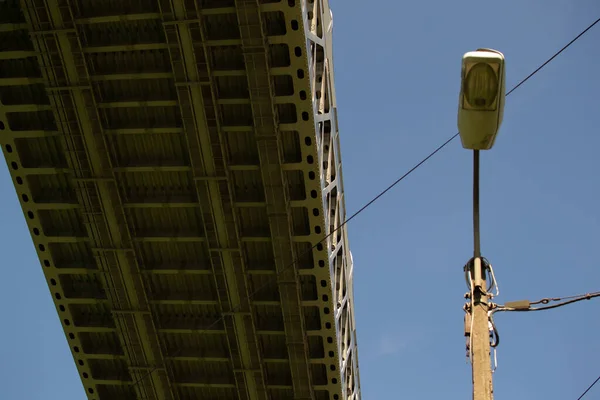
(481, 101)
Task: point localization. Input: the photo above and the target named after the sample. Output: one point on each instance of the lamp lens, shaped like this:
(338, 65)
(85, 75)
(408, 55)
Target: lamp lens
(481, 86)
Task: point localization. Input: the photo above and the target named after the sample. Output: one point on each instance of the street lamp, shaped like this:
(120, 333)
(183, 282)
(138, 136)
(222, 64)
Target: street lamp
(481, 102)
(480, 112)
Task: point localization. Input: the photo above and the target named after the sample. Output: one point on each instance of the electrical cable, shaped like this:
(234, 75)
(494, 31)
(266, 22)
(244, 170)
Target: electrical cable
(547, 300)
(491, 277)
(293, 263)
(496, 340)
(494, 284)
(524, 306)
(383, 192)
(574, 299)
(554, 56)
(589, 388)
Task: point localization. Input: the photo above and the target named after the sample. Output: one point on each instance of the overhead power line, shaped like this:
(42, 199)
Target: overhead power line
(548, 61)
(383, 192)
(589, 388)
(526, 305)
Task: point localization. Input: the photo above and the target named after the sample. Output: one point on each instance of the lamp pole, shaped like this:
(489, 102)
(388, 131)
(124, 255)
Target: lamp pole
(480, 112)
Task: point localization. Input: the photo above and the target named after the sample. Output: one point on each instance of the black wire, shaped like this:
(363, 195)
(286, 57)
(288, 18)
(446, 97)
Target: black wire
(549, 299)
(544, 308)
(554, 56)
(293, 263)
(387, 189)
(589, 388)
(496, 341)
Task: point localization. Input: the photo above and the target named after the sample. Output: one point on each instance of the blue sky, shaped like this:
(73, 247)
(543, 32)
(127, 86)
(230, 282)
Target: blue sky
(397, 68)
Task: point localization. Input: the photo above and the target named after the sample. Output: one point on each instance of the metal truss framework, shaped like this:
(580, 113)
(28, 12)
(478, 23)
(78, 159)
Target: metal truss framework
(166, 154)
(318, 28)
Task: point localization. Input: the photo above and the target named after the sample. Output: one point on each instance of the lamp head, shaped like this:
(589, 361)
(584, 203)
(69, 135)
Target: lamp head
(481, 101)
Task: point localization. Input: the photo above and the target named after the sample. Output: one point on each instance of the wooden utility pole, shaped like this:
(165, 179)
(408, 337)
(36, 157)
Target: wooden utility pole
(480, 337)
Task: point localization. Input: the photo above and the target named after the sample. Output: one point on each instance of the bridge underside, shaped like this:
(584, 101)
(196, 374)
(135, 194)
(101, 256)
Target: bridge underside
(177, 178)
